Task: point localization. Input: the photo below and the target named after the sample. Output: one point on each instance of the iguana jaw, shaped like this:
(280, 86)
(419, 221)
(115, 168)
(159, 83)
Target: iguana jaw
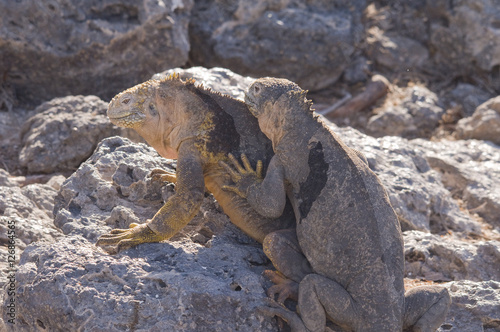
(127, 109)
(252, 105)
(129, 118)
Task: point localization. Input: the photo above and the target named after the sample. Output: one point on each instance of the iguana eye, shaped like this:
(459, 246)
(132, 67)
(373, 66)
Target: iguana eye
(126, 101)
(152, 110)
(256, 89)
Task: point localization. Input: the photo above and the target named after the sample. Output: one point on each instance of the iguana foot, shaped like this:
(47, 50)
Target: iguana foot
(121, 239)
(273, 308)
(244, 176)
(163, 176)
(283, 287)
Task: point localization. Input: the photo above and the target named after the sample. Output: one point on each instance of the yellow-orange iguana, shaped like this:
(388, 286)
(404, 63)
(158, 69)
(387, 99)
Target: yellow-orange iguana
(198, 127)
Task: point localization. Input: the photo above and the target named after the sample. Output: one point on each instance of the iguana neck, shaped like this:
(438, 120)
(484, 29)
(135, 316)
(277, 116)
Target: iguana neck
(280, 123)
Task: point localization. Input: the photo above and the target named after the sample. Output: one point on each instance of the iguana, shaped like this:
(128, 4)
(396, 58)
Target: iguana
(346, 227)
(198, 127)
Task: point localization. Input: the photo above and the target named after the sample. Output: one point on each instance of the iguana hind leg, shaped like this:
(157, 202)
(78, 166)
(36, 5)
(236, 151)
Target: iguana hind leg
(425, 308)
(319, 298)
(163, 175)
(282, 248)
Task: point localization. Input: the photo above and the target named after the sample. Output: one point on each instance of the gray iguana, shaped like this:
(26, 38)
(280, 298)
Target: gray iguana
(346, 227)
(198, 127)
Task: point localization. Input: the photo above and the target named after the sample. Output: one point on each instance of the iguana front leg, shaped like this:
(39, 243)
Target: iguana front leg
(266, 196)
(174, 215)
(281, 247)
(122, 239)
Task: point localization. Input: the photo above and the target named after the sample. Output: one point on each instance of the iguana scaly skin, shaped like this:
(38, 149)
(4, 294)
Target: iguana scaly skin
(198, 127)
(346, 226)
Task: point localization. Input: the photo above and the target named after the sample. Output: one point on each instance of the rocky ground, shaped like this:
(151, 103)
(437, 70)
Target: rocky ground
(67, 175)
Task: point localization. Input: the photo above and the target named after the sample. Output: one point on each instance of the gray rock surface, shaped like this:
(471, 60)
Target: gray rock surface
(484, 124)
(470, 171)
(29, 211)
(309, 43)
(415, 190)
(63, 133)
(412, 112)
(220, 79)
(465, 35)
(395, 51)
(469, 97)
(111, 190)
(446, 258)
(175, 286)
(61, 47)
(474, 307)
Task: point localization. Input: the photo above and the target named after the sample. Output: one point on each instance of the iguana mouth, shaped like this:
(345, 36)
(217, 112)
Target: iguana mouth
(126, 119)
(119, 116)
(252, 106)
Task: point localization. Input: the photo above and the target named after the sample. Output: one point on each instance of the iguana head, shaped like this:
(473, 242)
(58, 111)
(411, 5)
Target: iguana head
(132, 107)
(264, 92)
(157, 110)
(277, 103)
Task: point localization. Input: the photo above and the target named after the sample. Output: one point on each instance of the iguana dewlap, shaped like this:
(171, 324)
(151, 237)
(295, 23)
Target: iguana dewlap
(346, 226)
(199, 127)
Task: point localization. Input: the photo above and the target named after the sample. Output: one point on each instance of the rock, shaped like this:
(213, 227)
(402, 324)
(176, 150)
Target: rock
(474, 307)
(312, 41)
(465, 37)
(33, 201)
(394, 51)
(6, 180)
(415, 190)
(415, 114)
(471, 171)
(10, 128)
(484, 124)
(7, 98)
(357, 71)
(469, 97)
(436, 258)
(23, 231)
(174, 286)
(63, 133)
(89, 47)
(114, 177)
(112, 189)
(219, 79)
(56, 181)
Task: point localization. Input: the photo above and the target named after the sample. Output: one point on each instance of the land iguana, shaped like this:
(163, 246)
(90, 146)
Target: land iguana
(198, 127)
(346, 227)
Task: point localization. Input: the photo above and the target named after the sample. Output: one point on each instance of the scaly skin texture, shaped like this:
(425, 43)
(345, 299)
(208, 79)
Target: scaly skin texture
(198, 127)
(346, 226)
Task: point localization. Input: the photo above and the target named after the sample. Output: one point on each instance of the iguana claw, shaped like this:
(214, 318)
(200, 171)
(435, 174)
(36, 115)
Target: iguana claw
(273, 308)
(244, 176)
(121, 239)
(283, 287)
(163, 176)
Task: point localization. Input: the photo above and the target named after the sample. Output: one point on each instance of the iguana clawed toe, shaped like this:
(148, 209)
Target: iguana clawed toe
(163, 175)
(121, 239)
(283, 287)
